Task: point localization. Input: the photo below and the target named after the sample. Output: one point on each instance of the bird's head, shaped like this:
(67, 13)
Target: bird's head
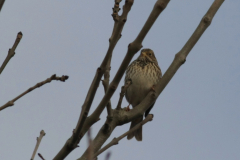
(147, 55)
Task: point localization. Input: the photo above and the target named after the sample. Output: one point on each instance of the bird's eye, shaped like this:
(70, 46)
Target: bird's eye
(149, 54)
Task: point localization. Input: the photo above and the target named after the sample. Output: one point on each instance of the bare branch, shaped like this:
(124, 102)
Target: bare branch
(105, 82)
(78, 133)
(42, 133)
(180, 57)
(11, 51)
(48, 80)
(123, 91)
(1, 4)
(116, 140)
(120, 117)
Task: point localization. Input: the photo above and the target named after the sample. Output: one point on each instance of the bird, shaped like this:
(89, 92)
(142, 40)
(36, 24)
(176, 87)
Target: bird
(144, 73)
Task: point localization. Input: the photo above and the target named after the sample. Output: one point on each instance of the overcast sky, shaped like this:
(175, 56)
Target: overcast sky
(196, 117)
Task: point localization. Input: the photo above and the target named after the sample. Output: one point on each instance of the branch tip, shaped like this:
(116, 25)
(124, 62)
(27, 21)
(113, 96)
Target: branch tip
(19, 35)
(161, 5)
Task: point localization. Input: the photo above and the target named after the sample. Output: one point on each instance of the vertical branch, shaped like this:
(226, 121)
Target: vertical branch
(11, 51)
(117, 21)
(42, 133)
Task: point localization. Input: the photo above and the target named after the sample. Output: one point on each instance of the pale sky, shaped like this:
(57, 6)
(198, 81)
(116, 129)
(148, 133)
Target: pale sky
(196, 117)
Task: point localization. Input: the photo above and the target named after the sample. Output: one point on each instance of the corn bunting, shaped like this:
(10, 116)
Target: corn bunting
(144, 73)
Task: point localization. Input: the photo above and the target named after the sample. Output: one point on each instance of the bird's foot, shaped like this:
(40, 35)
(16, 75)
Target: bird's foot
(128, 108)
(153, 88)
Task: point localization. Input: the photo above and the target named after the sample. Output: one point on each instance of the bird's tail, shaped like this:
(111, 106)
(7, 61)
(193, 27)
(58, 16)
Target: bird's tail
(138, 132)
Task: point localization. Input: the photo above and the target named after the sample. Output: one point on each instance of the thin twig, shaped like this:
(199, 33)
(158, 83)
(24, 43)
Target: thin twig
(39, 154)
(48, 80)
(116, 140)
(11, 51)
(1, 4)
(42, 133)
(123, 91)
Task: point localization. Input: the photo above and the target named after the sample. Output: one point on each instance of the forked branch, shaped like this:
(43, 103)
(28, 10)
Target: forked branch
(116, 140)
(78, 133)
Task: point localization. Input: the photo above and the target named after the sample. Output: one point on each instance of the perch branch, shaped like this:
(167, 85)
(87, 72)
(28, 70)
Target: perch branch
(116, 140)
(120, 117)
(42, 133)
(78, 133)
(48, 80)
(11, 51)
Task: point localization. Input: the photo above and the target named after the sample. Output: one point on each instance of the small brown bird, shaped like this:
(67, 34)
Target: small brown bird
(144, 73)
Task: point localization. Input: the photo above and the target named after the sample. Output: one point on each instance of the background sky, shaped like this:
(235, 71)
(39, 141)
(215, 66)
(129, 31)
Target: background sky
(197, 116)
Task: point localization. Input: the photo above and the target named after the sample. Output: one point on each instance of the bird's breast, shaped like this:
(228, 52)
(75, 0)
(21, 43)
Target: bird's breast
(143, 78)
